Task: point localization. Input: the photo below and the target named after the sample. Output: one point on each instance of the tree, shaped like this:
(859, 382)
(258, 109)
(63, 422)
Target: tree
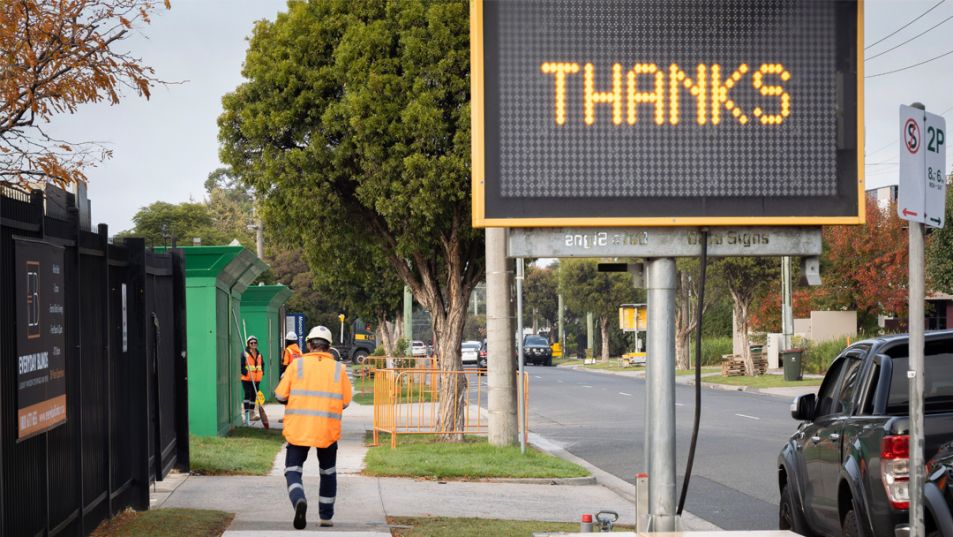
(159, 222)
(747, 278)
(540, 290)
(232, 207)
(354, 125)
(686, 304)
(56, 55)
(586, 289)
(939, 252)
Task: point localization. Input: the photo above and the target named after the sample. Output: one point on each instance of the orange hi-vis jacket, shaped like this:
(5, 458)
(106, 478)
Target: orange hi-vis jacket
(315, 390)
(292, 353)
(252, 369)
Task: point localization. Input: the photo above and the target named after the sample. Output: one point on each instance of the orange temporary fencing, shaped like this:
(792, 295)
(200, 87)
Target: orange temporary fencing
(410, 401)
(366, 370)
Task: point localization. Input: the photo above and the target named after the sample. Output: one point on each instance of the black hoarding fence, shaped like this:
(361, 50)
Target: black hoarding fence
(93, 395)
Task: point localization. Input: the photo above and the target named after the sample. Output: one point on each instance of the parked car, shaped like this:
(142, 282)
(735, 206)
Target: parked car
(536, 350)
(470, 352)
(939, 489)
(845, 470)
(418, 348)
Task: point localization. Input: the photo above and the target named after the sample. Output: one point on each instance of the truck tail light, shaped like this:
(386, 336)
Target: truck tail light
(895, 469)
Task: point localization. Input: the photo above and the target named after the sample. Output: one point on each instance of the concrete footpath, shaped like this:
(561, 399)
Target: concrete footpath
(262, 508)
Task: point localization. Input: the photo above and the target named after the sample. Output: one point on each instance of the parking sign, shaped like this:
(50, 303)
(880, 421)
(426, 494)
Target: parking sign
(922, 191)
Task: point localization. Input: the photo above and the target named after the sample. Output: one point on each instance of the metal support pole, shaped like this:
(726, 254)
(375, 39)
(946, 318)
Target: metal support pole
(915, 377)
(787, 311)
(408, 316)
(559, 314)
(519, 353)
(500, 370)
(660, 385)
(259, 240)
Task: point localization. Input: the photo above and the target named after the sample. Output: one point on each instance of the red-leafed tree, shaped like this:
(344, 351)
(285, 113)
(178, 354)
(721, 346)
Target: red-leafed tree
(54, 56)
(863, 268)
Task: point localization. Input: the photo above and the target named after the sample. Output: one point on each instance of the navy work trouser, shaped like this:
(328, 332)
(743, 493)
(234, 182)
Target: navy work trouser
(250, 395)
(294, 466)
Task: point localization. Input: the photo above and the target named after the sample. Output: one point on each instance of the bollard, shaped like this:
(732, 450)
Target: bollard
(586, 525)
(641, 502)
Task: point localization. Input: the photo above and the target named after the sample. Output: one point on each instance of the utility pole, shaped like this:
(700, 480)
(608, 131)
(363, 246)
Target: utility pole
(660, 394)
(501, 375)
(259, 239)
(562, 334)
(787, 311)
(590, 337)
(521, 412)
(408, 316)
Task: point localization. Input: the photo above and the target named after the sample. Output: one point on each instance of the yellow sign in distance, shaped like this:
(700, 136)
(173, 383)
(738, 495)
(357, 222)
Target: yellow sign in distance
(633, 318)
(557, 349)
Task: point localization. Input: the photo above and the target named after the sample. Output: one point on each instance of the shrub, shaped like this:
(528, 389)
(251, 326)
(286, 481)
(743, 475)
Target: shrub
(400, 349)
(712, 349)
(819, 355)
(379, 351)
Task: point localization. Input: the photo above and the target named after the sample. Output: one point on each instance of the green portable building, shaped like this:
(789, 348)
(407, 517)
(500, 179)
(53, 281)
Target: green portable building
(263, 312)
(216, 278)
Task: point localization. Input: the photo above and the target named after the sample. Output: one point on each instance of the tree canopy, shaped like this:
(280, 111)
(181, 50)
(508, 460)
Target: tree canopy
(56, 55)
(353, 125)
(585, 289)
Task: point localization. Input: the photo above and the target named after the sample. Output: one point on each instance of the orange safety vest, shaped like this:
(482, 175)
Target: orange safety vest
(253, 368)
(292, 353)
(315, 390)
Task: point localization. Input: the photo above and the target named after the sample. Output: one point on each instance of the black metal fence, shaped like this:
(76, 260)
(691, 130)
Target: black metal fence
(126, 393)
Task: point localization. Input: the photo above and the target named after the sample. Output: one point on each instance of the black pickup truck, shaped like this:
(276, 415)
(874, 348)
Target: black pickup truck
(846, 469)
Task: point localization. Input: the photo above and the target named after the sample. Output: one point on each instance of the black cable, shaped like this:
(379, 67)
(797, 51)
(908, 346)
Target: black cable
(895, 47)
(698, 368)
(947, 53)
(891, 34)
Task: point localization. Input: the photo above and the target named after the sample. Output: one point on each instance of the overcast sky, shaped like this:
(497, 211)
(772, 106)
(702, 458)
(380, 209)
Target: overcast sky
(165, 147)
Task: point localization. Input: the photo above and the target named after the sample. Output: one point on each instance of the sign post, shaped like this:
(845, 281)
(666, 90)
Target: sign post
(589, 120)
(921, 200)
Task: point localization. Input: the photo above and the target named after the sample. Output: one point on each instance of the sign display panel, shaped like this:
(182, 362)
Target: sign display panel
(651, 112)
(41, 341)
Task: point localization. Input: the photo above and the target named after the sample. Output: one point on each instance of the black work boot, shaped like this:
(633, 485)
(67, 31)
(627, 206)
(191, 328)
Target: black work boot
(301, 511)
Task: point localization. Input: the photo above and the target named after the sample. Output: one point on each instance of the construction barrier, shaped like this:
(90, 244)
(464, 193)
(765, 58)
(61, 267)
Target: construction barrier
(371, 364)
(409, 401)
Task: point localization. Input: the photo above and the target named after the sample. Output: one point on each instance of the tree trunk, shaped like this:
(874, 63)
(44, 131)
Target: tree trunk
(740, 325)
(452, 391)
(683, 324)
(604, 328)
(387, 339)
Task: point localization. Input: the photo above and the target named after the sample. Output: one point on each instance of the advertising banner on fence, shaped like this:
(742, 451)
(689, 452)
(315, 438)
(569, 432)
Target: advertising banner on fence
(41, 340)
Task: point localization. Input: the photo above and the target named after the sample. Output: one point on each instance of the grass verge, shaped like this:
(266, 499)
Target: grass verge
(683, 372)
(612, 365)
(166, 523)
(424, 457)
(762, 381)
(245, 451)
(476, 527)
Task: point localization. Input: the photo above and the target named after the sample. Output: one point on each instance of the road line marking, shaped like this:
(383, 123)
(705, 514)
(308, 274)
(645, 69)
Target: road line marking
(559, 381)
(537, 376)
(625, 394)
(679, 404)
(749, 417)
(586, 386)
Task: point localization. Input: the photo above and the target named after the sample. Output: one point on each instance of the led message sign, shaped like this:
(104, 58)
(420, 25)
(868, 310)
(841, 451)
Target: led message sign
(655, 112)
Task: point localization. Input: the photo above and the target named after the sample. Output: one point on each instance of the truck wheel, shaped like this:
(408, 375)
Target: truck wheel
(360, 356)
(788, 516)
(851, 527)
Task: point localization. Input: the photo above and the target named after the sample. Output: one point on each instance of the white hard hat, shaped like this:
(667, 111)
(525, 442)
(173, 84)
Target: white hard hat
(320, 332)
(250, 338)
(291, 336)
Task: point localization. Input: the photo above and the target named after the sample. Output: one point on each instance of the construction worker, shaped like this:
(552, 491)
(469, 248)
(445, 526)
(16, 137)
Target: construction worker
(252, 369)
(315, 390)
(292, 350)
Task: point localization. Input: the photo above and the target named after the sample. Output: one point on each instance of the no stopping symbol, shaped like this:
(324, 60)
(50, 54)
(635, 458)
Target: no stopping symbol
(911, 135)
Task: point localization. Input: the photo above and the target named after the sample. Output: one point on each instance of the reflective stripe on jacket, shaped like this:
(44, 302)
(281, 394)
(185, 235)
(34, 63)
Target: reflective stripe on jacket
(292, 353)
(315, 389)
(251, 367)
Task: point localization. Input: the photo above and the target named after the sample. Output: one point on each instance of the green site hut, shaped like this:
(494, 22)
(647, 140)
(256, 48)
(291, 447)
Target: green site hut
(216, 277)
(263, 312)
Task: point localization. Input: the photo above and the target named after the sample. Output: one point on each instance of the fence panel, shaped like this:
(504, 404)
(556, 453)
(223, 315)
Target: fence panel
(65, 481)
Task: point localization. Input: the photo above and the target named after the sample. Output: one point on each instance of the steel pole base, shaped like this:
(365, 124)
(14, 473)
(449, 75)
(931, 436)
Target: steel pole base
(661, 523)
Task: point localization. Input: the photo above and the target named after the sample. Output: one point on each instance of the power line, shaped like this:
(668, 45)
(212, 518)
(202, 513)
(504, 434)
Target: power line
(909, 40)
(947, 53)
(891, 34)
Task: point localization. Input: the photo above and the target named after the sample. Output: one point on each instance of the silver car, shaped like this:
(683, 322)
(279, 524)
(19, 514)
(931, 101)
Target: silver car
(470, 352)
